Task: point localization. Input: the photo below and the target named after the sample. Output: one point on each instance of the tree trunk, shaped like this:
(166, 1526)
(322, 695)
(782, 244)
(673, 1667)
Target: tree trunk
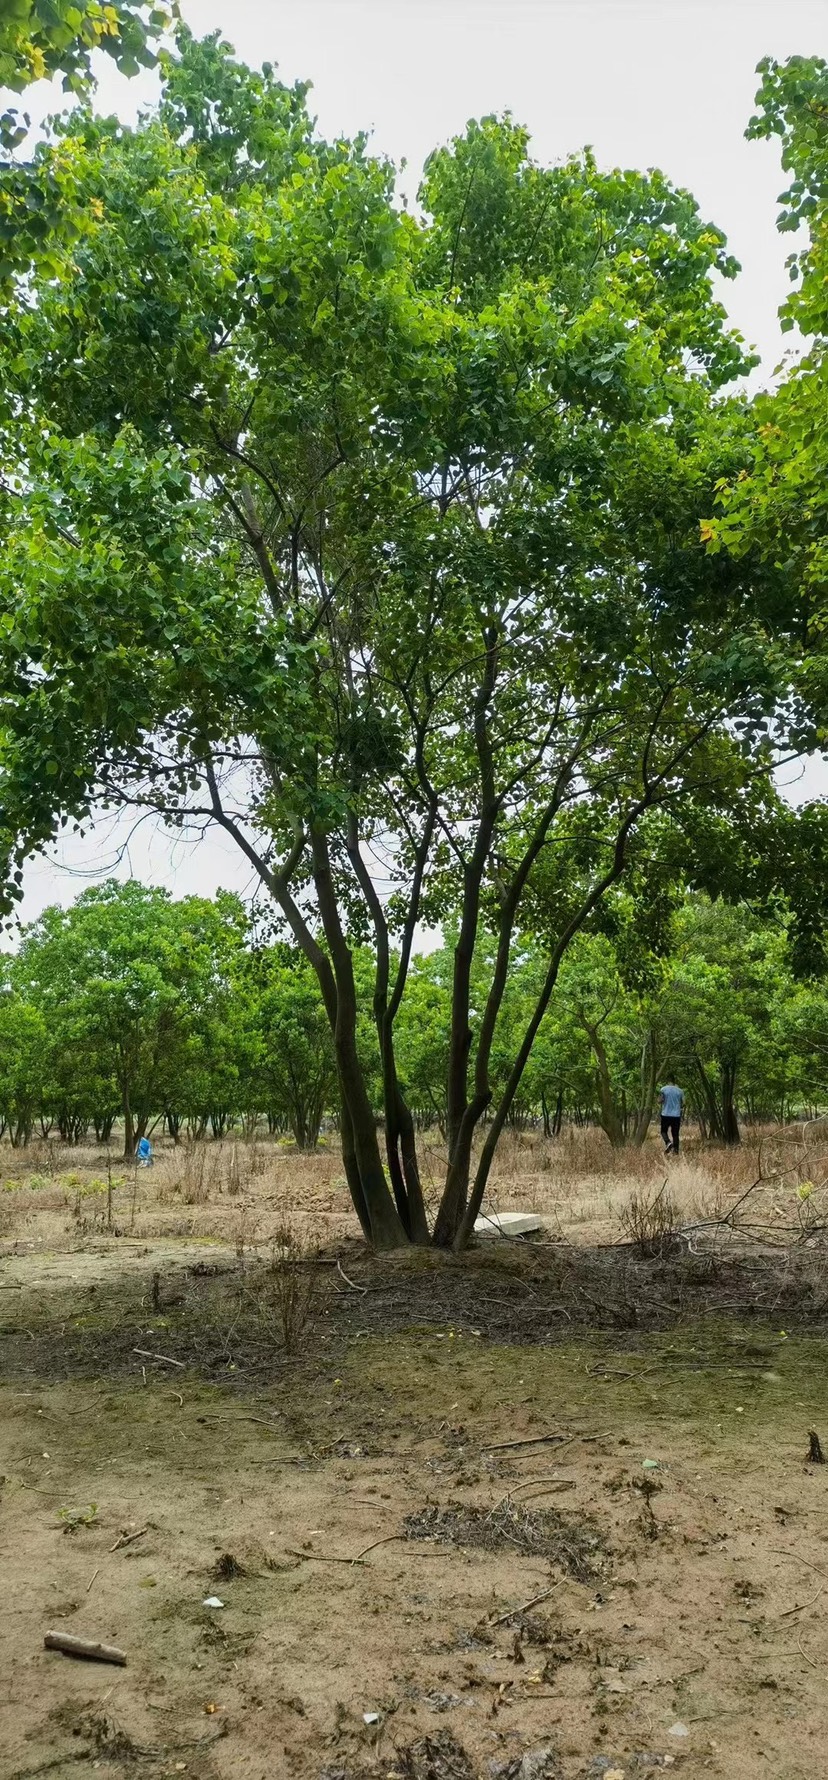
(351, 1166)
(611, 1120)
(129, 1126)
(454, 1203)
(712, 1116)
(648, 1076)
(385, 1225)
(730, 1122)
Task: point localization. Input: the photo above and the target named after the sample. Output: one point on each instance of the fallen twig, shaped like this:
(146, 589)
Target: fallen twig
(165, 1358)
(85, 1647)
(388, 1540)
(319, 1557)
(155, 1750)
(556, 1488)
(542, 1440)
(514, 1611)
(228, 1420)
(795, 1558)
(128, 1539)
(803, 1604)
(350, 1282)
(92, 1578)
(529, 1483)
(536, 1440)
(804, 1653)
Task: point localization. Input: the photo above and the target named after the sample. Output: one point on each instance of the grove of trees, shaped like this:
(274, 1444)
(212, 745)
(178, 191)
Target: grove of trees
(426, 555)
(130, 1013)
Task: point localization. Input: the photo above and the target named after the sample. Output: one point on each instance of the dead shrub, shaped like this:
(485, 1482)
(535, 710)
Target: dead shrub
(651, 1222)
(293, 1288)
(234, 1173)
(195, 1183)
(277, 1303)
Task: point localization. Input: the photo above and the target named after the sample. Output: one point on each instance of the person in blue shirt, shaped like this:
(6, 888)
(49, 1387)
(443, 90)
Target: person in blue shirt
(672, 1107)
(144, 1153)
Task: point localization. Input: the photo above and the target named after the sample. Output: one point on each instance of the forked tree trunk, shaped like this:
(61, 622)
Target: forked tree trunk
(374, 1204)
(611, 1120)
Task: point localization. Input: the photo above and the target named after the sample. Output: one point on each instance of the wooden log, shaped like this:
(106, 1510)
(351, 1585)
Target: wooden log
(85, 1647)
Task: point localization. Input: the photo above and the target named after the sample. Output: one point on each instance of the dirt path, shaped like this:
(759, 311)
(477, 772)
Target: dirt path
(693, 1640)
(34, 1269)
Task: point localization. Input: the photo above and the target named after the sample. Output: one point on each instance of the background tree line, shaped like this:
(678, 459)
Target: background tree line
(135, 1011)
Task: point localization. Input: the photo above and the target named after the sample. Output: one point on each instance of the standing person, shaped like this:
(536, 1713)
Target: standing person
(672, 1106)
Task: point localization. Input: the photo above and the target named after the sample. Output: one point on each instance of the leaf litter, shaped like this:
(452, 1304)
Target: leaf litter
(575, 1545)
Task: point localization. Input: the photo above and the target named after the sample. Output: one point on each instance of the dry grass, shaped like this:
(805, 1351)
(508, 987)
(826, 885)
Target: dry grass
(246, 1194)
(651, 1222)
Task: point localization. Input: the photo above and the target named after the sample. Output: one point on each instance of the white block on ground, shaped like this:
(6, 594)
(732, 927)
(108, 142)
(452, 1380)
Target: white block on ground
(506, 1223)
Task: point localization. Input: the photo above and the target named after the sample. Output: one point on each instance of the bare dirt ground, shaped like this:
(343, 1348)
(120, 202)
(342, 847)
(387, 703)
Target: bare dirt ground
(542, 1512)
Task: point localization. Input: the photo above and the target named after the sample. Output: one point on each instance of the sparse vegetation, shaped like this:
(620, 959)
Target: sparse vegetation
(651, 1222)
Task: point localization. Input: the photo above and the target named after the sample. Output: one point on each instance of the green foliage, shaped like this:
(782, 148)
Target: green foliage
(376, 537)
(777, 504)
(126, 983)
(128, 1002)
(40, 39)
(75, 1518)
(293, 1074)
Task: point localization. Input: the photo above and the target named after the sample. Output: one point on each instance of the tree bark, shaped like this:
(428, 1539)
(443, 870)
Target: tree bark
(386, 1226)
(647, 1079)
(129, 1126)
(712, 1114)
(730, 1122)
(610, 1119)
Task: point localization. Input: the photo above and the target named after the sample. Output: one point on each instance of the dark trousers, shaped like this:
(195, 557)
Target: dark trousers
(670, 1133)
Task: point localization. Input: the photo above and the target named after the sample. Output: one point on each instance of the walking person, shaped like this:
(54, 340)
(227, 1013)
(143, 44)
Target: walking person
(671, 1100)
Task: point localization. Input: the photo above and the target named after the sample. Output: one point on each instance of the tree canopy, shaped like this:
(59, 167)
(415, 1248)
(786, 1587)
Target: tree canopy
(375, 539)
(778, 502)
(42, 38)
(39, 40)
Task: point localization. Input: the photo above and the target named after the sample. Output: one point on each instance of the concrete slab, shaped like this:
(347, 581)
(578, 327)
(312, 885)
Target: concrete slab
(507, 1223)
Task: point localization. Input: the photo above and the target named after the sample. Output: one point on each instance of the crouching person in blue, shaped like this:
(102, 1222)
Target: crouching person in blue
(144, 1153)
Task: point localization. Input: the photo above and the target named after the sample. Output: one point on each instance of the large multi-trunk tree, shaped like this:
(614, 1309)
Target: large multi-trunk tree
(373, 538)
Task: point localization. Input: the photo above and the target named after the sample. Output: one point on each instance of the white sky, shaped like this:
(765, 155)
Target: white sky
(666, 83)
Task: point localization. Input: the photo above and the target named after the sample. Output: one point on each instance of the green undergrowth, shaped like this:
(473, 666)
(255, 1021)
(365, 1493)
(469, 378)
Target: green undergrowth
(84, 1185)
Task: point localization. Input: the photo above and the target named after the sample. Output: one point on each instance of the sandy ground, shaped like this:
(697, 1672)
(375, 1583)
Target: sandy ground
(687, 1633)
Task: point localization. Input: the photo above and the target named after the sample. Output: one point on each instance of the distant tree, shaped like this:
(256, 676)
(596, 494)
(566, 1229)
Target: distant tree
(23, 1063)
(726, 979)
(127, 978)
(294, 1074)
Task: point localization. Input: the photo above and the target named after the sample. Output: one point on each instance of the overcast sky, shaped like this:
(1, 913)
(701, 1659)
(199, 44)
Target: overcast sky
(667, 83)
